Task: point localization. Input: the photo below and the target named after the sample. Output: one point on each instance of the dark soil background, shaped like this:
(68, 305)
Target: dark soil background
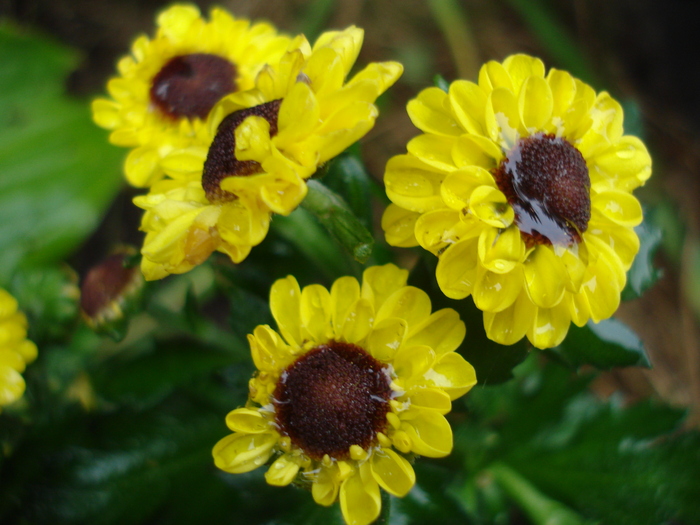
(640, 50)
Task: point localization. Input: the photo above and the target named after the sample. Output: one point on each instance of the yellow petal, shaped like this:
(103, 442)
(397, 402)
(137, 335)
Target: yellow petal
(579, 309)
(509, 326)
(603, 283)
(379, 282)
(247, 421)
(360, 501)
(476, 150)
(412, 184)
(622, 240)
(285, 304)
(501, 251)
(503, 118)
(410, 363)
(246, 225)
(620, 207)
(625, 165)
(239, 453)
(358, 322)
(458, 186)
(429, 112)
(443, 331)
(393, 473)
(325, 486)
(494, 292)
(429, 431)
(520, 67)
(316, 313)
(142, 167)
(456, 269)
(105, 113)
(386, 338)
(283, 471)
(11, 385)
(468, 101)
(269, 352)
(298, 115)
(432, 398)
(545, 277)
(437, 229)
(563, 87)
(344, 293)
(550, 326)
(409, 303)
(493, 75)
(490, 205)
(453, 374)
(433, 150)
(398, 225)
(535, 103)
(182, 163)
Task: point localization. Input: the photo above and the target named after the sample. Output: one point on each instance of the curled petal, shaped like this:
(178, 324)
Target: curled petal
(550, 326)
(379, 282)
(409, 303)
(443, 331)
(453, 374)
(429, 113)
(399, 225)
(239, 453)
(285, 304)
(429, 431)
(247, 421)
(360, 501)
(456, 269)
(467, 101)
(509, 326)
(393, 473)
(386, 338)
(315, 313)
(620, 207)
(501, 250)
(344, 293)
(535, 103)
(283, 471)
(545, 275)
(433, 398)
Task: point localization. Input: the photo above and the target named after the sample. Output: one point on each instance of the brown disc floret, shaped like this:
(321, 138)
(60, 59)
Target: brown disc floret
(221, 159)
(188, 86)
(334, 396)
(546, 181)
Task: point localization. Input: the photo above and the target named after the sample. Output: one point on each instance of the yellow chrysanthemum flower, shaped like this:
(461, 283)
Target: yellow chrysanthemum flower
(355, 379)
(521, 185)
(168, 85)
(16, 351)
(262, 146)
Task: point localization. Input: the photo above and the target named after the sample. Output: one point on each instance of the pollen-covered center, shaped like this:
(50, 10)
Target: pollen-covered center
(333, 397)
(188, 86)
(221, 159)
(546, 181)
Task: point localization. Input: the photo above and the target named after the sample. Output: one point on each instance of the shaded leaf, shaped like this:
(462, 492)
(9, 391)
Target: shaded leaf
(607, 344)
(642, 275)
(58, 170)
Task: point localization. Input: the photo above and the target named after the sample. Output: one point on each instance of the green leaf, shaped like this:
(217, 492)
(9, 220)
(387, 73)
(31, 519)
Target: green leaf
(607, 344)
(144, 380)
(49, 298)
(58, 170)
(642, 275)
(348, 178)
(440, 82)
(335, 215)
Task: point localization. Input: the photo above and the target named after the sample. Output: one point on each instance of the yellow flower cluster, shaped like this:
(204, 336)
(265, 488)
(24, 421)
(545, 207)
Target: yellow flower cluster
(521, 186)
(16, 351)
(168, 85)
(354, 379)
(260, 147)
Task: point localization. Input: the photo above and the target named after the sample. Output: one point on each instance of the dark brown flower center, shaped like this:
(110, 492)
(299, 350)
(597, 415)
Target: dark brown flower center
(106, 283)
(188, 86)
(221, 159)
(546, 181)
(333, 397)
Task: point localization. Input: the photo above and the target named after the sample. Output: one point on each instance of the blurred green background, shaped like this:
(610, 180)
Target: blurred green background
(122, 432)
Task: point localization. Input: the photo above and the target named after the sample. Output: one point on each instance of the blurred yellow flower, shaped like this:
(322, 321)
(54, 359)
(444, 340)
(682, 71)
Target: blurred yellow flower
(353, 380)
(261, 146)
(168, 85)
(521, 185)
(16, 351)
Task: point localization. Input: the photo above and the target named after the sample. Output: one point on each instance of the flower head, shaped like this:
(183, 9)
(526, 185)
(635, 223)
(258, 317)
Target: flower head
(16, 351)
(168, 85)
(353, 380)
(521, 185)
(261, 146)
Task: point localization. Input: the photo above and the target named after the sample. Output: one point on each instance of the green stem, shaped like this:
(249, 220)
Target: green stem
(334, 214)
(538, 507)
(455, 26)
